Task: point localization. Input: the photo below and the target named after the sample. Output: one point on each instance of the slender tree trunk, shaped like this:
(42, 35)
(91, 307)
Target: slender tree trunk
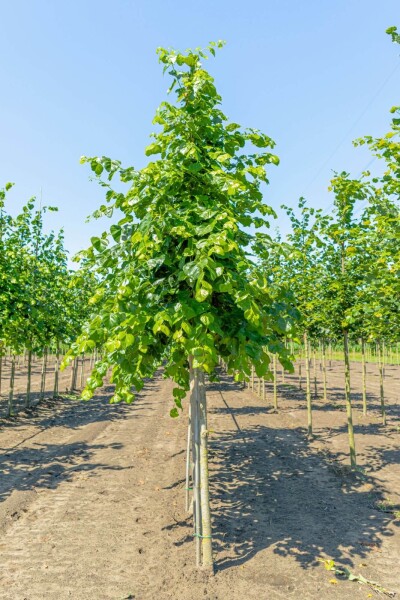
(204, 476)
(43, 375)
(1, 366)
(188, 446)
(263, 388)
(300, 386)
(72, 375)
(28, 385)
(275, 384)
(56, 372)
(350, 428)
(383, 359)
(323, 350)
(10, 411)
(82, 371)
(315, 374)
(195, 436)
(381, 377)
(252, 378)
(308, 386)
(364, 377)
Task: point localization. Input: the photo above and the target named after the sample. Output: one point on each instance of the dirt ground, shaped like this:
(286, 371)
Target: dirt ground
(92, 497)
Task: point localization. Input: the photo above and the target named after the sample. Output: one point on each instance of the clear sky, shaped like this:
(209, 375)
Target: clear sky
(82, 77)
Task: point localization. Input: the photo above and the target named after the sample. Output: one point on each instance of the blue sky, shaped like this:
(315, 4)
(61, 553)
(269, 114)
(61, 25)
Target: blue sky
(82, 77)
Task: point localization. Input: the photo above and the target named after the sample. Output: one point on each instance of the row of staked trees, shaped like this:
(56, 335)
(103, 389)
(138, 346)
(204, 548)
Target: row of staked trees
(343, 268)
(42, 302)
(188, 277)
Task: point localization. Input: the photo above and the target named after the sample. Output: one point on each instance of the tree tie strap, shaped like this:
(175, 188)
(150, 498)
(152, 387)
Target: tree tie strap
(203, 537)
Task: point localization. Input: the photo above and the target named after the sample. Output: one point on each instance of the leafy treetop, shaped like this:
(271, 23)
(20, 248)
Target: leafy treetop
(177, 280)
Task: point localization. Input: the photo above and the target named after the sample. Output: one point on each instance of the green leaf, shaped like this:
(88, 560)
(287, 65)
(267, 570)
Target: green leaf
(153, 149)
(203, 291)
(192, 270)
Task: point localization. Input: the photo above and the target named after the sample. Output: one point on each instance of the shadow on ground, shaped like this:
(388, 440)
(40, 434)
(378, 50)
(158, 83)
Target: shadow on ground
(270, 488)
(32, 464)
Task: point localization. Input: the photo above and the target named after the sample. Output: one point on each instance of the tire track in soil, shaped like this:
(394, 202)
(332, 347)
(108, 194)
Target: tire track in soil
(96, 532)
(112, 525)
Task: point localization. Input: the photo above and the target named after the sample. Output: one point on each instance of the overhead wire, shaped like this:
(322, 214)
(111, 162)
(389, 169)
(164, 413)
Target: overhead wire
(348, 132)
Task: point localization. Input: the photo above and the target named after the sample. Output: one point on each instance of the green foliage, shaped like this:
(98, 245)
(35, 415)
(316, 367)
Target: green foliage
(40, 305)
(392, 31)
(176, 276)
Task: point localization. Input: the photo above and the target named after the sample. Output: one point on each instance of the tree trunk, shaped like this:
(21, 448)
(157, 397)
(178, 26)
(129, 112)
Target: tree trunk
(275, 384)
(72, 383)
(350, 428)
(56, 372)
(28, 385)
(10, 410)
(1, 365)
(315, 374)
(308, 386)
(82, 371)
(381, 391)
(364, 377)
(43, 375)
(188, 446)
(300, 386)
(323, 349)
(195, 437)
(204, 477)
(201, 502)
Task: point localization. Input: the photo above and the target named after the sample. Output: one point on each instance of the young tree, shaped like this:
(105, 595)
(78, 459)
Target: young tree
(178, 287)
(302, 272)
(344, 277)
(380, 298)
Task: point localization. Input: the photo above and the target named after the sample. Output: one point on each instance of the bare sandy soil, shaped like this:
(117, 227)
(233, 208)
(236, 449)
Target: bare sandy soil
(92, 498)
